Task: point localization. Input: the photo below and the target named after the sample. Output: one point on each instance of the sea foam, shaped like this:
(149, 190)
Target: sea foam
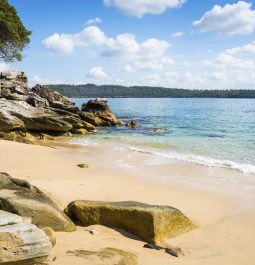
(197, 159)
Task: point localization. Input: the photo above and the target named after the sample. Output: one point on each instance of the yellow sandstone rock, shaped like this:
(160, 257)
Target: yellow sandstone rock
(152, 223)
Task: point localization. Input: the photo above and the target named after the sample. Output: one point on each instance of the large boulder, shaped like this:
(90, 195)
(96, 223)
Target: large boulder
(13, 82)
(9, 122)
(21, 243)
(55, 99)
(106, 256)
(152, 223)
(98, 113)
(18, 115)
(20, 197)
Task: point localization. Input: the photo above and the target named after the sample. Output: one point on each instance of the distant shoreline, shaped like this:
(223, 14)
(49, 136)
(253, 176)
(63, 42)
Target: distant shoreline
(114, 91)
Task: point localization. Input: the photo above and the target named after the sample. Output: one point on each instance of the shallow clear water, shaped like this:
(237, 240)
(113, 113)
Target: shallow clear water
(213, 132)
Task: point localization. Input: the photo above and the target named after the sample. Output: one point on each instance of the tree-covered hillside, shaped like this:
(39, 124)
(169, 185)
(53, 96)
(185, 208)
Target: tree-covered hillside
(114, 91)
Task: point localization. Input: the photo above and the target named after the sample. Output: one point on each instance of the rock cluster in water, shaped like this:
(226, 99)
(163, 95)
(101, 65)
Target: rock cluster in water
(42, 110)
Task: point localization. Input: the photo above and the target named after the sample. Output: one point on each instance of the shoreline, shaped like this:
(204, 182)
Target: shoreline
(225, 234)
(168, 153)
(155, 167)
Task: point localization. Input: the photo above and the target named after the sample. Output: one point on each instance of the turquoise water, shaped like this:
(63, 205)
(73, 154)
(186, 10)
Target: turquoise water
(213, 132)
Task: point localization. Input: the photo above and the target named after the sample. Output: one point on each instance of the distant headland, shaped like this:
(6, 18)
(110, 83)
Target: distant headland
(116, 91)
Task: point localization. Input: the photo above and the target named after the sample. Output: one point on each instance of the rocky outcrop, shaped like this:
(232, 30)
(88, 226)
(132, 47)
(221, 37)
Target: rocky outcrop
(21, 243)
(55, 99)
(98, 113)
(106, 256)
(43, 110)
(20, 197)
(152, 223)
(19, 115)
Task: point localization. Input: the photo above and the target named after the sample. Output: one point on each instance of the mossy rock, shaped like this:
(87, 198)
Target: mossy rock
(89, 127)
(152, 223)
(18, 136)
(93, 119)
(79, 131)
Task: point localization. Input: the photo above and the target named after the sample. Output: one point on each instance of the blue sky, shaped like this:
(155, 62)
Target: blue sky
(172, 43)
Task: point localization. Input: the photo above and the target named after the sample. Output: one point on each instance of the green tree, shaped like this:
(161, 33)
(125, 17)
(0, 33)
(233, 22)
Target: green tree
(13, 35)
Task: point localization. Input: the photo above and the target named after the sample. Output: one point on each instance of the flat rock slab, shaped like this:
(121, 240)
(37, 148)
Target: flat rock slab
(152, 223)
(21, 243)
(106, 256)
(19, 197)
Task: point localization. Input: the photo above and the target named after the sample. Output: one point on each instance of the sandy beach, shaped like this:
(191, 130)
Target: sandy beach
(226, 217)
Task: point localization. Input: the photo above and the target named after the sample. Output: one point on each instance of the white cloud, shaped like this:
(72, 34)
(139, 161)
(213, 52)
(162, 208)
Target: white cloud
(65, 43)
(139, 8)
(150, 54)
(238, 18)
(4, 67)
(98, 72)
(177, 34)
(248, 49)
(92, 21)
(59, 43)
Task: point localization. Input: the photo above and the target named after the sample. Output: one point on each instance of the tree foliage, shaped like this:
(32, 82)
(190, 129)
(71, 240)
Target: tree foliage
(13, 35)
(113, 91)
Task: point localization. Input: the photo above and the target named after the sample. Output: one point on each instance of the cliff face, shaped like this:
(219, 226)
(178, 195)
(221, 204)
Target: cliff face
(25, 114)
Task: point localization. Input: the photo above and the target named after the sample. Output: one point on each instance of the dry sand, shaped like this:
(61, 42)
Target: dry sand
(226, 219)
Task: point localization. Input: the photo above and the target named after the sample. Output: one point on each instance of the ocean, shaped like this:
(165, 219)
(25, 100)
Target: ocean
(210, 132)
